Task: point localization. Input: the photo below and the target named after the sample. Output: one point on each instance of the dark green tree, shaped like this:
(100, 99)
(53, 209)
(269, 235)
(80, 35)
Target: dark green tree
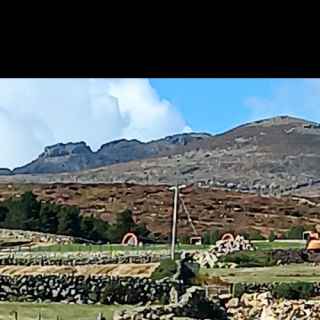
(49, 218)
(272, 236)
(69, 221)
(211, 237)
(94, 229)
(295, 232)
(24, 212)
(3, 214)
(125, 223)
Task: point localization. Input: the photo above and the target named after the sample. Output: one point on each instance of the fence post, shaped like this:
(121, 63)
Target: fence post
(99, 316)
(14, 314)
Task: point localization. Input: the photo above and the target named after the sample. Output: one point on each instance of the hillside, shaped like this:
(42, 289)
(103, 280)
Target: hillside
(209, 208)
(71, 157)
(270, 156)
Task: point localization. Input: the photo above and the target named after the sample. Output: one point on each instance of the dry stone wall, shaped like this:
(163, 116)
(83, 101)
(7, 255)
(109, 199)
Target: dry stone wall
(73, 260)
(193, 304)
(86, 290)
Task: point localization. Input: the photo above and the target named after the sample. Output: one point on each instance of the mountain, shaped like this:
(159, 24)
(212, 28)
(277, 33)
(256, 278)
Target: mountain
(60, 158)
(73, 157)
(271, 155)
(5, 172)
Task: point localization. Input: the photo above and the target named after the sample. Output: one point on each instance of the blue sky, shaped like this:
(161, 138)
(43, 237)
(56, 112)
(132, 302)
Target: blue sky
(216, 105)
(35, 113)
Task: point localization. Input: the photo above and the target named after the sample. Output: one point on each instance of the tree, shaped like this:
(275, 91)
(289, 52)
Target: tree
(252, 235)
(272, 236)
(295, 232)
(69, 221)
(124, 223)
(49, 218)
(94, 229)
(24, 212)
(211, 237)
(3, 214)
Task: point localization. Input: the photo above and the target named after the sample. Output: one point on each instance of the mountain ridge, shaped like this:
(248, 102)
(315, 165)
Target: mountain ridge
(79, 156)
(271, 154)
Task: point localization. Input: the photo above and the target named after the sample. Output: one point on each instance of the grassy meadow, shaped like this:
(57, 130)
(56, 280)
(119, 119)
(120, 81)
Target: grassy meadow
(31, 311)
(260, 245)
(287, 273)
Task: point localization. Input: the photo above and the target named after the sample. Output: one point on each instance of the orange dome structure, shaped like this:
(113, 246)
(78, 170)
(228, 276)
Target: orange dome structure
(313, 243)
(227, 236)
(130, 239)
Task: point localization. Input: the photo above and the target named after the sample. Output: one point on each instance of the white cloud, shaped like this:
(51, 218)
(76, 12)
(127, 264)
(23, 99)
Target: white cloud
(35, 113)
(299, 98)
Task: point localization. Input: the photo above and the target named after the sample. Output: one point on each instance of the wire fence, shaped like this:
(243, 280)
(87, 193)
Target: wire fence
(15, 315)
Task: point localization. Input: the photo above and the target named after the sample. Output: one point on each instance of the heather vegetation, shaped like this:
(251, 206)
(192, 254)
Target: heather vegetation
(28, 213)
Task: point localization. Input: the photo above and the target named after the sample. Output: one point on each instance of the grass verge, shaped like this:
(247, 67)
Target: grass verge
(30, 311)
(288, 273)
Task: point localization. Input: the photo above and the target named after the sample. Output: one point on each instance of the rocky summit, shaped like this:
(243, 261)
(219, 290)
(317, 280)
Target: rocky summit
(271, 155)
(71, 157)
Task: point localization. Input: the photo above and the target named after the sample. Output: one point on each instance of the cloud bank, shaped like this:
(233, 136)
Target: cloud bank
(298, 98)
(35, 113)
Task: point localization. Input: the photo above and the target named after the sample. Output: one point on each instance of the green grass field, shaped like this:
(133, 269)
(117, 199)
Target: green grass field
(287, 273)
(30, 311)
(278, 245)
(156, 247)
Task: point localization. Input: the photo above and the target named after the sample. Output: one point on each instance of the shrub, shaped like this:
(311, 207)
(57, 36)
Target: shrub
(250, 258)
(211, 237)
(167, 268)
(295, 232)
(253, 235)
(184, 239)
(272, 236)
(111, 292)
(295, 290)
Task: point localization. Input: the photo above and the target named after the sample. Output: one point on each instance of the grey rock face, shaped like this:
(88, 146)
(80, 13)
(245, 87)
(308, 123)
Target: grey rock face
(60, 158)
(73, 157)
(5, 172)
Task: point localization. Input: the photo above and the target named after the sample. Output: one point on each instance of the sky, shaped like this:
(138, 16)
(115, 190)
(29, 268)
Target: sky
(35, 113)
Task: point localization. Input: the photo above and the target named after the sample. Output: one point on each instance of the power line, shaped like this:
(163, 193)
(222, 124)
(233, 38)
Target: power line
(189, 217)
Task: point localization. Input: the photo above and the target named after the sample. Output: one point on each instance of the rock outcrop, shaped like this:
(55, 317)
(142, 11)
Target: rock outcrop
(73, 157)
(61, 157)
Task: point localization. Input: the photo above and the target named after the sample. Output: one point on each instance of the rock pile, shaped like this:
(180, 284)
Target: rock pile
(264, 307)
(193, 304)
(86, 290)
(209, 259)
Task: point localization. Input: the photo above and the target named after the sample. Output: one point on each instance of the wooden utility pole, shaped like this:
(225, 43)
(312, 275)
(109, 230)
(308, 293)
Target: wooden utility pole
(174, 222)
